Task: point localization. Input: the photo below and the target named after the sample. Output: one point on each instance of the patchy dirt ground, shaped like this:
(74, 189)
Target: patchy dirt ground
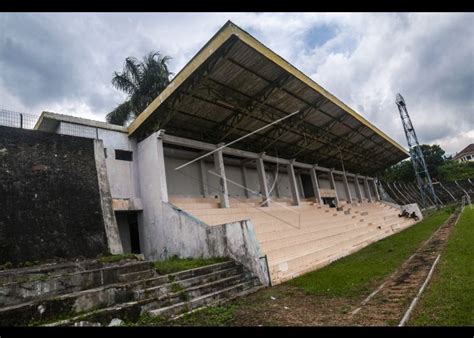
(286, 305)
(389, 305)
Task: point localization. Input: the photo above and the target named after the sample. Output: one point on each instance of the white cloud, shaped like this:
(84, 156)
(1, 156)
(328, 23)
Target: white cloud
(364, 59)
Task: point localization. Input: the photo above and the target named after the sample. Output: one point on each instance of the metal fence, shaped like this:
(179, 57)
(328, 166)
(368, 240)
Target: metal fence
(17, 120)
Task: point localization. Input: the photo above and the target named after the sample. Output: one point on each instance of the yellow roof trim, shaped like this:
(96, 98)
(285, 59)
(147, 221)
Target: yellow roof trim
(226, 31)
(192, 65)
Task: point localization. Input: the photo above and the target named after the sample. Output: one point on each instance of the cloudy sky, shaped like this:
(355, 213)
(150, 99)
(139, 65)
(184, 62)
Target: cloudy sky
(64, 62)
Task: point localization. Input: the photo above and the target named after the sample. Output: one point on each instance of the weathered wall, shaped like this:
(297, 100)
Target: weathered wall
(121, 174)
(49, 197)
(185, 236)
(186, 182)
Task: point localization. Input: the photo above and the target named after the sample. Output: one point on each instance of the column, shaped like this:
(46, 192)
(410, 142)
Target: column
(346, 187)
(376, 189)
(315, 184)
(293, 186)
(366, 183)
(300, 185)
(204, 183)
(357, 186)
(219, 165)
(262, 179)
(277, 189)
(333, 185)
(244, 176)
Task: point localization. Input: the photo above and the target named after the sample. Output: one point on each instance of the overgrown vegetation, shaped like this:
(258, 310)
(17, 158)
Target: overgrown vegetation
(117, 258)
(176, 264)
(449, 298)
(359, 272)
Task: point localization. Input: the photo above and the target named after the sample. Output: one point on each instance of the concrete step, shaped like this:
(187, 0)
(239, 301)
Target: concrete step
(57, 284)
(299, 243)
(183, 284)
(111, 294)
(137, 275)
(145, 301)
(204, 300)
(317, 260)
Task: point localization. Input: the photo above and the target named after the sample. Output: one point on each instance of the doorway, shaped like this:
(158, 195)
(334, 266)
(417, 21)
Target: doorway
(127, 223)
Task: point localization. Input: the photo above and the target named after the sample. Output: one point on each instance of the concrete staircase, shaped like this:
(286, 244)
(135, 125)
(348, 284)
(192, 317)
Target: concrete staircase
(64, 295)
(298, 239)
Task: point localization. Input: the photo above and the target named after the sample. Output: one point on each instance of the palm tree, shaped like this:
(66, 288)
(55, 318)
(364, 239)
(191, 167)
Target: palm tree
(143, 82)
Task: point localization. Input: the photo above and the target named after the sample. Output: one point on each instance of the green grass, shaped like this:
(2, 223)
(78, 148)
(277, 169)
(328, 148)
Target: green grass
(357, 273)
(449, 297)
(117, 258)
(175, 264)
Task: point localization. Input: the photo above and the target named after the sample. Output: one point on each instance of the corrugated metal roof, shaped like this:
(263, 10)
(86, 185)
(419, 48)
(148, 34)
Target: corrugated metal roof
(235, 85)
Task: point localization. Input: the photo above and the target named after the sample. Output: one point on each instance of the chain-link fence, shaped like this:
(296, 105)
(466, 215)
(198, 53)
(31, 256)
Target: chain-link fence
(17, 120)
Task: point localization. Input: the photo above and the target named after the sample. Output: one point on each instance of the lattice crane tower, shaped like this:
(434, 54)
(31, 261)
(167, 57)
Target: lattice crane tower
(421, 171)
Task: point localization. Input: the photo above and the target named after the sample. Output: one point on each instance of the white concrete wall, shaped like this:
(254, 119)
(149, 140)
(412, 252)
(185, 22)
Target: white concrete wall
(185, 182)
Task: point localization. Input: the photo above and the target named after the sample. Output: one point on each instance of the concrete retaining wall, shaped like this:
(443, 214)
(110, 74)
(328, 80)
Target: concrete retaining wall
(50, 197)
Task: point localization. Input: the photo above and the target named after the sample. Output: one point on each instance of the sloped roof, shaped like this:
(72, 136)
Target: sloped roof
(468, 150)
(235, 85)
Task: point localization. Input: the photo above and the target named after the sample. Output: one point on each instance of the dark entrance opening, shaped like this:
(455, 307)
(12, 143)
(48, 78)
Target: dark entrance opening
(134, 234)
(307, 186)
(127, 223)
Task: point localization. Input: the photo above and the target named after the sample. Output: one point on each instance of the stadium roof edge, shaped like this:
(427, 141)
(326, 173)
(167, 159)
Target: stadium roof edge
(224, 33)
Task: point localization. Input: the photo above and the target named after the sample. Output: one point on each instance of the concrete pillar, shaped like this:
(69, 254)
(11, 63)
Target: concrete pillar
(277, 189)
(357, 188)
(262, 179)
(346, 187)
(151, 170)
(314, 182)
(367, 189)
(219, 165)
(245, 180)
(110, 223)
(293, 185)
(300, 185)
(333, 185)
(204, 183)
(376, 189)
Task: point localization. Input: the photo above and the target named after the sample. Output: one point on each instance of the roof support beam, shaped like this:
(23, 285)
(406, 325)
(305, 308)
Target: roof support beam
(315, 184)
(347, 190)
(293, 186)
(367, 189)
(287, 91)
(262, 179)
(305, 129)
(357, 188)
(333, 185)
(223, 192)
(184, 142)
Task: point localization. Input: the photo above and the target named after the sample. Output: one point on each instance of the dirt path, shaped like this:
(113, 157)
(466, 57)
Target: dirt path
(388, 303)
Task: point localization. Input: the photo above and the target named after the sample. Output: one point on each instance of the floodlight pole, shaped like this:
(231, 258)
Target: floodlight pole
(419, 165)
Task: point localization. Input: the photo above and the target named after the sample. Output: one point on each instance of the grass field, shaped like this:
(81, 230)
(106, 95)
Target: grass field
(357, 273)
(344, 280)
(449, 297)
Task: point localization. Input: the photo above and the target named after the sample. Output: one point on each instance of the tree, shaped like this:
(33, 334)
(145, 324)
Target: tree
(403, 171)
(142, 82)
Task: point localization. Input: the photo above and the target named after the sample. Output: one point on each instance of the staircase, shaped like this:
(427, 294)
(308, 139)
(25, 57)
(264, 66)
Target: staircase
(66, 294)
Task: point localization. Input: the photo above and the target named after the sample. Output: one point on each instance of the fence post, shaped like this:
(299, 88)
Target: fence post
(21, 121)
